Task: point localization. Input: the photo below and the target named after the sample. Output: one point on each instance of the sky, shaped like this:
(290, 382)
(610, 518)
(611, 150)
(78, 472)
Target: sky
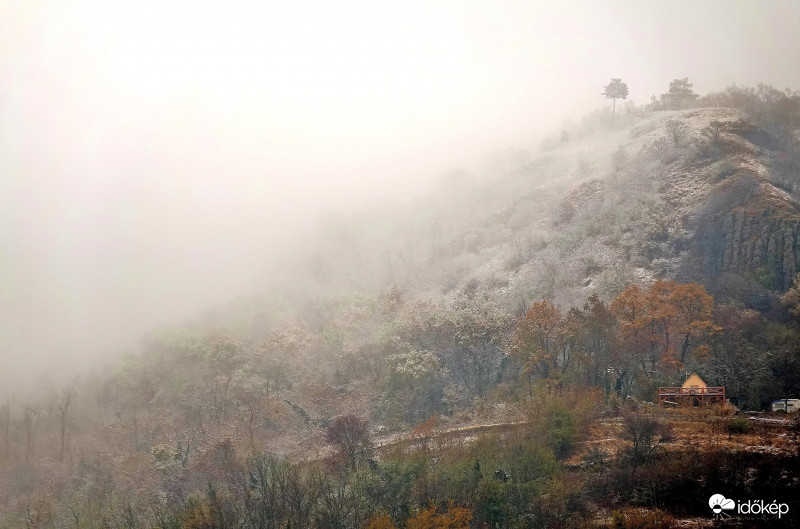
(155, 156)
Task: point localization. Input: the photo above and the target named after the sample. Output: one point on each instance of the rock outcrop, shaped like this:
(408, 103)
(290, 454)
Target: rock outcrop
(750, 227)
(765, 242)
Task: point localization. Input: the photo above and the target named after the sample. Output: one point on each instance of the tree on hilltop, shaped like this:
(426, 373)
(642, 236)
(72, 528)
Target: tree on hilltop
(680, 94)
(614, 90)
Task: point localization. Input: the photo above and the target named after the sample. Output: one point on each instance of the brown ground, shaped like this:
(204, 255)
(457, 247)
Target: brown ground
(703, 429)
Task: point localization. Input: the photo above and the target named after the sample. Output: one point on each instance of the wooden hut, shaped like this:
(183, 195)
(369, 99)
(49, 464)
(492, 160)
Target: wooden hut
(693, 392)
(694, 381)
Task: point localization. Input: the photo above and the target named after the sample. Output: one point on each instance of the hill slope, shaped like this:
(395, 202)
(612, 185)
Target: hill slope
(410, 319)
(690, 194)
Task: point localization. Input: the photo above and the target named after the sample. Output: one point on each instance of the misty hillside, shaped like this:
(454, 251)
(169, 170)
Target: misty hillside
(346, 264)
(700, 194)
(556, 286)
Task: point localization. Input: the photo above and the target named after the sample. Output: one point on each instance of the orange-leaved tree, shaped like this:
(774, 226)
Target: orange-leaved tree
(662, 325)
(661, 316)
(694, 319)
(631, 312)
(538, 341)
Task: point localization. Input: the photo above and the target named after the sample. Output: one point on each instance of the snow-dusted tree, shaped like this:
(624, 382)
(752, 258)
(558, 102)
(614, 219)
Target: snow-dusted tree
(224, 361)
(680, 94)
(413, 387)
(476, 344)
(67, 398)
(614, 90)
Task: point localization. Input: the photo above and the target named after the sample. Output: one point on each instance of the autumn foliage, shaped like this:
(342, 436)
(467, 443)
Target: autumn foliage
(643, 331)
(661, 326)
(425, 428)
(430, 518)
(538, 340)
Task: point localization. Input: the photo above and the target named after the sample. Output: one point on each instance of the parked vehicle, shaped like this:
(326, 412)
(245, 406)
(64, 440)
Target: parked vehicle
(786, 405)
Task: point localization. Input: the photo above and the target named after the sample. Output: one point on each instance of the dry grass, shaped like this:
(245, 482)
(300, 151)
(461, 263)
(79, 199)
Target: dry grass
(703, 429)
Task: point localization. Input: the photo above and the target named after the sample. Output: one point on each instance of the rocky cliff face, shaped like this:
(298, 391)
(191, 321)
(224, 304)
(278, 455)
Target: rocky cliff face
(747, 225)
(764, 243)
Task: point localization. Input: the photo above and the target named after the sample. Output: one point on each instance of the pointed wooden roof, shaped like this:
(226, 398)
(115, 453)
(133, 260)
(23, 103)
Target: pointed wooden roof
(694, 380)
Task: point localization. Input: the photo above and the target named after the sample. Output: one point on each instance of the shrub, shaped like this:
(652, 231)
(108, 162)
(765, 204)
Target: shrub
(641, 519)
(562, 430)
(712, 133)
(491, 506)
(646, 435)
(531, 464)
(739, 425)
(723, 170)
(676, 131)
(663, 150)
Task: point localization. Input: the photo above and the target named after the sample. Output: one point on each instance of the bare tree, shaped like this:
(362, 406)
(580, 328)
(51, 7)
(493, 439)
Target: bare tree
(75, 514)
(646, 435)
(67, 397)
(350, 435)
(5, 416)
(29, 417)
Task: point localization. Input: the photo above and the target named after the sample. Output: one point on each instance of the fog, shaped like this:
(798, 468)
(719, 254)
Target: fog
(158, 157)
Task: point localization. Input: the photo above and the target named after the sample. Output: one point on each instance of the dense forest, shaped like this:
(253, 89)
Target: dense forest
(449, 369)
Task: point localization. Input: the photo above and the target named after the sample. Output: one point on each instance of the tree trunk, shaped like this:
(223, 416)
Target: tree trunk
(684, 348)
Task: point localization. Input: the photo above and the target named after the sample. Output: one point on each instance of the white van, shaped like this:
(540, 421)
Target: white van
(786, 405)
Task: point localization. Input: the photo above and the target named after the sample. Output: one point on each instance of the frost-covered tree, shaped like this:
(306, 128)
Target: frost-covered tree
(614, 90)
(680, 94)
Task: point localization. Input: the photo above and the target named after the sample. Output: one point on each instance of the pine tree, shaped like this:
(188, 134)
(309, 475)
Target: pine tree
(680, 93)
(614, 90)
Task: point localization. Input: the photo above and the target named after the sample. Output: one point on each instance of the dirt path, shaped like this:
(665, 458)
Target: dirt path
(383, 443)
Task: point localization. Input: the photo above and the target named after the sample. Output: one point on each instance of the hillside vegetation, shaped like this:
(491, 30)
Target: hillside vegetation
(549, 292)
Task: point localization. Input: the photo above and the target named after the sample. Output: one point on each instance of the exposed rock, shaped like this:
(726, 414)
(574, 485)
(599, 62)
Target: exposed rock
(760, 236)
